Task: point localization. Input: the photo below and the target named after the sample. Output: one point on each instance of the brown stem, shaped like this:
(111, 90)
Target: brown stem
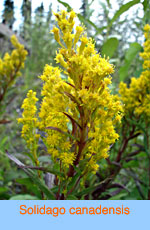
(115, 170)
(81, 143)
(125, 143)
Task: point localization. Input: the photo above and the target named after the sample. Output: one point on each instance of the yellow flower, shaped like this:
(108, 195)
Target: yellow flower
(10, 66)
(30, 123)
(55, 30)
(136, 97)
(78, 115)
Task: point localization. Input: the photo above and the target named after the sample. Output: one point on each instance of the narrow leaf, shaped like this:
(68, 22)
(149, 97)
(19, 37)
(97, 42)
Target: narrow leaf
(123, 9)
(65, 5)
(60, 131)
(55, 129)
(85, 20)
(72, 120)
(33, 176)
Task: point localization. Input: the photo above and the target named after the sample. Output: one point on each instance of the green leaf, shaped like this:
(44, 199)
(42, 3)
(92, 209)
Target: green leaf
(65, 5)
(132, 51)
(129, 57)
(23, 197)
(123, 72)
(90, 189)
(85, 191)
(3, 142)
(85, 20)
(30, 186)
(13, 175)
(3, 190)
(40, 184)
(133, 163)
(4, 193)
(108, 3)
(123, 9)
(73, 181)
(145, 4)
(36, 180)
(110, 47)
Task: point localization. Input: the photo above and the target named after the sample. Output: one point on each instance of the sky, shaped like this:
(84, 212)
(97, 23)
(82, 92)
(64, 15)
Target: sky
(75, 4)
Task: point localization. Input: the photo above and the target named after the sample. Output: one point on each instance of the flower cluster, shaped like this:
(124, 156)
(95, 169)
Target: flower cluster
(10, 66)
(137, 97)
(30, 122)
(78, 113)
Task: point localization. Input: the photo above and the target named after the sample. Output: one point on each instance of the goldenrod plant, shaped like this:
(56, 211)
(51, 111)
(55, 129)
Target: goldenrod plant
(76, 119)
(10, 67)
(137, 97)
(134, 134)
